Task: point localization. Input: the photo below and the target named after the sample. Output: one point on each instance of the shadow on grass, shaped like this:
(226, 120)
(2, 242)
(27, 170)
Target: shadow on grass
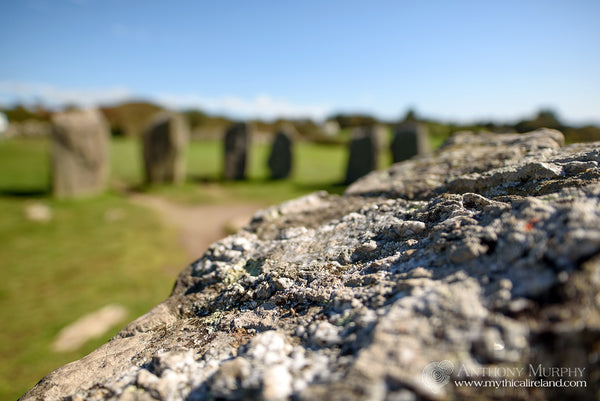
(25, 192)
(336, 188)
(212, 188)
(333, 187)
(204, 179)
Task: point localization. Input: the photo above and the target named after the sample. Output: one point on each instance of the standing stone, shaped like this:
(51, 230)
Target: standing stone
(237, 142)
(3, 123)
(365, 147)
(410, 139)
(164, 141)
(79, 153)
(280, 159)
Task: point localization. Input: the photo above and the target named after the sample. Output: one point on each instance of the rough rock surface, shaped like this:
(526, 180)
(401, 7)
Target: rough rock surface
(79, 153)
(481, 261)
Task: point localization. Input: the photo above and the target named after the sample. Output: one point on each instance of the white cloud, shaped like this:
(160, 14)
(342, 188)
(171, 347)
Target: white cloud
(52, 96)
(261, 106)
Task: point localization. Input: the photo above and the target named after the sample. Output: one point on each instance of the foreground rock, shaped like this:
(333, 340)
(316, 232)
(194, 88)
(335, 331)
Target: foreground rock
(479, 262)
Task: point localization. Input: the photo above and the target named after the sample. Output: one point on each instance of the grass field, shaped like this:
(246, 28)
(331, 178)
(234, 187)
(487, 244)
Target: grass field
(52, 273)
(317, 166)
(84, 258)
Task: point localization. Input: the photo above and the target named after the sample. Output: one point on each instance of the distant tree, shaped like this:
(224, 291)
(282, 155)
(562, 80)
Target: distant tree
(71, 107)
(307, 128)
(41, 112)
(262, 126)
(548, 118)
(129, 119)
(411, 115)
(545, 118)
(19, 113)
(588, 133)
(195, 118)
(491, 126)
(353, 120)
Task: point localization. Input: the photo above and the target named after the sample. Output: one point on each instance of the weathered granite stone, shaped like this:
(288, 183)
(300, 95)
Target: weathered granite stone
(79, 153)
(364, 150)
(237, 145)
(480, 262)
(280, 158)
(164, 143)
(410, 139)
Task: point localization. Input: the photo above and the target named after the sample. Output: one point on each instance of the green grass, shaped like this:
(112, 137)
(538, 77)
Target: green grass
(55, 272)
(317, 166)
(24, 167)
(438, 133)
(126, 167)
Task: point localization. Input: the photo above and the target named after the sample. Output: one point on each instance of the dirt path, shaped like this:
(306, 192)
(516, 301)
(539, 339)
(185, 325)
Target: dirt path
(199, 225)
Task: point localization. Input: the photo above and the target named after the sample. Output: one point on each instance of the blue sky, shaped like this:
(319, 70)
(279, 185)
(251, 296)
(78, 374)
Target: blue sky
(454, 60)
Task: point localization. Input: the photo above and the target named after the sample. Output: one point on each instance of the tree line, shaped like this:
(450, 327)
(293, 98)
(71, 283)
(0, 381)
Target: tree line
(128, 119)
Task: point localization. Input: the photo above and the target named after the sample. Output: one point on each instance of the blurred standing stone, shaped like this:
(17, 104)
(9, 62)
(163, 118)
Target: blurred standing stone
(164, 141)
(237, 142)
(365, 148)
(79, 153)
(3, 124)
(280, 159)
(410, 139)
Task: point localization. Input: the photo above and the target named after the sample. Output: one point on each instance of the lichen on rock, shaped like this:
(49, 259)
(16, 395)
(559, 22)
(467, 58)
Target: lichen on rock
(479, 260)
